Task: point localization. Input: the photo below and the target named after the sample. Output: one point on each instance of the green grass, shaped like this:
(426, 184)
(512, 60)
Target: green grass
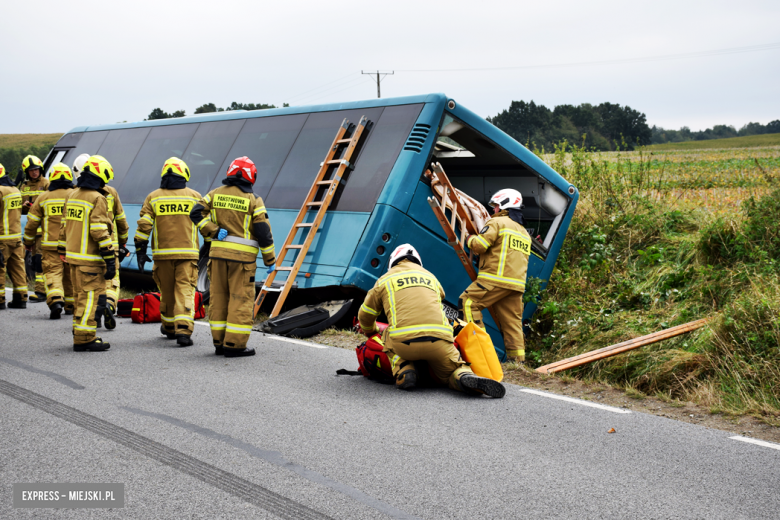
(27, 140)
(660, 239)
(749, 141)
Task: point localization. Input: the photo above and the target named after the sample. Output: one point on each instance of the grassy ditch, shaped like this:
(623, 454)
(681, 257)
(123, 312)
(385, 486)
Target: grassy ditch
(659, 240)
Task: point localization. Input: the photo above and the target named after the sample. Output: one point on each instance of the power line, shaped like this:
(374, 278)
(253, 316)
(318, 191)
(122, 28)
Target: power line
(699, 54)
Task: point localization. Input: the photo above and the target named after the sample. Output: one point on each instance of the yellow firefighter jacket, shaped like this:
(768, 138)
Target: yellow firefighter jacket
(86, 228)
(503, 247)
(411, 298)
(244, 216)
(166, 217)
(10, 213)
(46, 214)
(117, 215)
(30, 190)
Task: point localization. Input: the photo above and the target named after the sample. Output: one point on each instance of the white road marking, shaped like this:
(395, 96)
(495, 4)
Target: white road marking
(278, 338)
(756, 441)
(575, 401)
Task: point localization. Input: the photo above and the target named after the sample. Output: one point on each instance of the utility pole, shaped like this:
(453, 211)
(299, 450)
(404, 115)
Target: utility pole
(378, 80)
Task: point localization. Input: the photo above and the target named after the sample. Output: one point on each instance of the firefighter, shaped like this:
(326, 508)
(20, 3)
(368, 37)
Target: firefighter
(46, 214)
(11, 250)
(503, 246)
(34, 185)
(165, 219)
(85, 244)
(410, 297)
(235, 222)
(119, 240)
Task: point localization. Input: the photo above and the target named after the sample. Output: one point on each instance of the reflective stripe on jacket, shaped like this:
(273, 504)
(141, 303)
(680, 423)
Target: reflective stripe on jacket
(10, 213)
(239, 213)
(503, 247)
(117, 215)
(165, 222)
(86, 227)
(411, 298)
(46, 214)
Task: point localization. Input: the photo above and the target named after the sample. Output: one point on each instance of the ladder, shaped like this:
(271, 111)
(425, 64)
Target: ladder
(337, 165)
(450, 225)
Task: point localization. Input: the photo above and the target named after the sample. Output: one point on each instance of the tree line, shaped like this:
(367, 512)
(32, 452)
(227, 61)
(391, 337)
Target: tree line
(606, 126)
(206, 108)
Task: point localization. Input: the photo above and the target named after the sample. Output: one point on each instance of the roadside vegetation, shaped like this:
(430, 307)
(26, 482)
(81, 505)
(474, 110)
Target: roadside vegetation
(749, 141)
(658, 240)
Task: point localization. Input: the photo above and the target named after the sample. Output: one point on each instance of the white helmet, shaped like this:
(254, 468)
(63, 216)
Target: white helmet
(78, 165)
(404, 252)
(506, 199)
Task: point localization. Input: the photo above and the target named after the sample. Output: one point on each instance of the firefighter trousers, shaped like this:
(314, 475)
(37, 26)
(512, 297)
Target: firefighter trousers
(40, 282)
(13, 253)
(508, 305)
(176, 280)
(89, 291)
(56, 276)
(443, 358)
(112, 286)
(231, 303)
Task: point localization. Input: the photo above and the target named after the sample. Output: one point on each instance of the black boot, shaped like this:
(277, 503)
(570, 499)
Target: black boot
(2, 306)
(238, 352)
(183, 340)
(406, 380)
(219, 350)
(38, 297)
(98, 315)
(476, 385)
(17, 302)
(109, 319)
(68, 310)
(164, 332)
(96, 345)
(56, 310)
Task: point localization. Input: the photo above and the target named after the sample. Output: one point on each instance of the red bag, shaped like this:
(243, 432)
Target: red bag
(124, 307)
(146, 308)
(200, 311)
(372, 362)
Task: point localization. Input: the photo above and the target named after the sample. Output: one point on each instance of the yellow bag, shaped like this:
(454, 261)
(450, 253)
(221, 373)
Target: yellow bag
(477, 348)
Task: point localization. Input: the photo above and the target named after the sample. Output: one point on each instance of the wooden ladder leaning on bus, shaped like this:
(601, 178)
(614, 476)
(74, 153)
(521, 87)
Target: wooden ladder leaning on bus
(338, 165)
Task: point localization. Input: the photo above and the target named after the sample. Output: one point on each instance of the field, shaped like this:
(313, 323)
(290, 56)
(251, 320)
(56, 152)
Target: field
(27, 140)
(733, 142)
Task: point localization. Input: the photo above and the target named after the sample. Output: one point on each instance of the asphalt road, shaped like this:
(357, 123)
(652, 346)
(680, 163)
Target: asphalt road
(279, 435)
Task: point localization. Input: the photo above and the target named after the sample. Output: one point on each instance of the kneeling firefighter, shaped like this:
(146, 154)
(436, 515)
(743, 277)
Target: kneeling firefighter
(85, 244)
(11, 250)
(34, 185)
(411, 298)
(503, 246)
(46, 214)
(165, 219)
(235, 222)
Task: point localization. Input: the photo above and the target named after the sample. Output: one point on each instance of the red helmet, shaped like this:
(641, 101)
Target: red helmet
(244, 167)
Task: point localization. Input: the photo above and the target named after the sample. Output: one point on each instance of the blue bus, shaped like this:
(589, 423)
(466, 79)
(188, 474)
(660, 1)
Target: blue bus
(383, 202)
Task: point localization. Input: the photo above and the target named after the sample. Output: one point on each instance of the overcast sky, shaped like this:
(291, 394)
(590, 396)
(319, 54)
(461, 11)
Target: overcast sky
(74, 63)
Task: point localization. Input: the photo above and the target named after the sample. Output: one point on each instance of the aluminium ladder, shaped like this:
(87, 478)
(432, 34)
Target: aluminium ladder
(338, 167)
(450, 225)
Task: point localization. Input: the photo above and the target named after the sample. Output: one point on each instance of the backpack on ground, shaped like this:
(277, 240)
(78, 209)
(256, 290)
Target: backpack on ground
(146, 308)
(124, 307)
(372, 362)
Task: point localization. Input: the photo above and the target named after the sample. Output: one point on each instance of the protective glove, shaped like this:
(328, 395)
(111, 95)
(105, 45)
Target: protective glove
(123, 252)
(221, 234)
(140, 254)
(271, 268)
(110, 260)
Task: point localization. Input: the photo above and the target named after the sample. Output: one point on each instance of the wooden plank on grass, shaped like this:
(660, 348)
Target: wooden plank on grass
(619, 348)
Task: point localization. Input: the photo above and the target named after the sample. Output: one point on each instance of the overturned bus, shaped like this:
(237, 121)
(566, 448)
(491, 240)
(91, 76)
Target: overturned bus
(381, 204)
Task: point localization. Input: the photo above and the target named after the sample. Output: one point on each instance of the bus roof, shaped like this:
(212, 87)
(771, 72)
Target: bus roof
(270, 112)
